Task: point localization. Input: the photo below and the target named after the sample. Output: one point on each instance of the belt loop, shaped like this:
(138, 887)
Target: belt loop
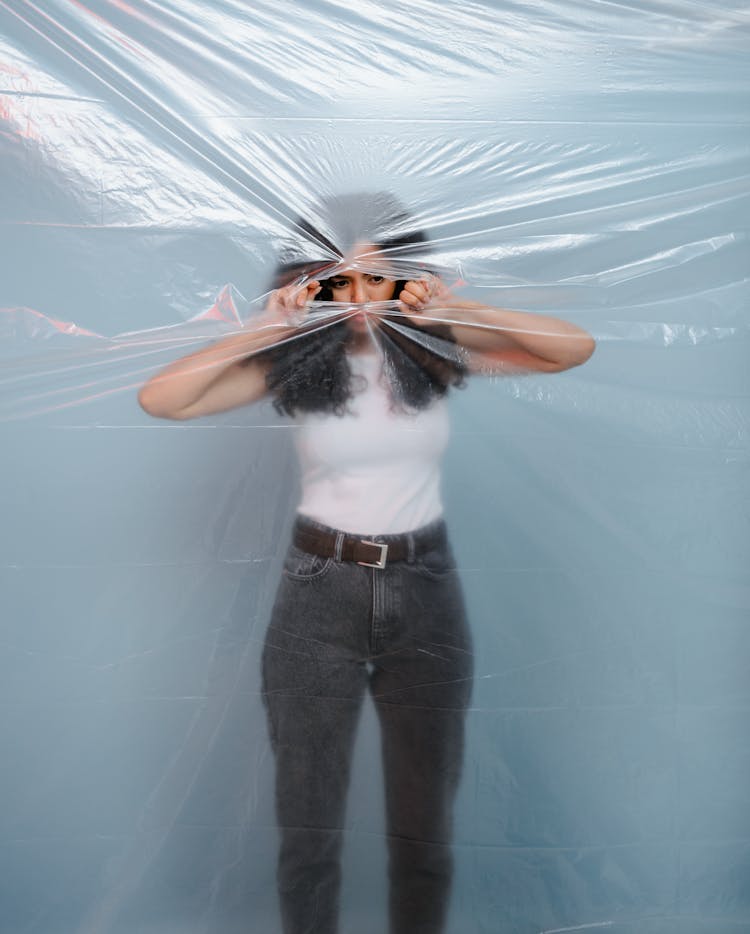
(410, 548)
(339, 547)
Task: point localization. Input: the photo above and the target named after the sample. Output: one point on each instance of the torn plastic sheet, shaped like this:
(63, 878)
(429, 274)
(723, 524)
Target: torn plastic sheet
(582, 163)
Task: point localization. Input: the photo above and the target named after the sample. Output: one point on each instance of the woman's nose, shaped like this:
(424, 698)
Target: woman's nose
(359, 293)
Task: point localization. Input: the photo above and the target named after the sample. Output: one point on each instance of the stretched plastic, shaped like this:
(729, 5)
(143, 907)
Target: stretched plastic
(163, 164)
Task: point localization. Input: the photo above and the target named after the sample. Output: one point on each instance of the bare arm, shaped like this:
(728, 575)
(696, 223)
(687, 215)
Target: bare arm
(502, 340)
(514, 340)
(216, 378)
(211, 380)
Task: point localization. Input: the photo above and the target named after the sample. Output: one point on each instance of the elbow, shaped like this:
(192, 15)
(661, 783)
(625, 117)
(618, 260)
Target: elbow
(151, 404)
(144, 400)
(148, 403)
(584, 350)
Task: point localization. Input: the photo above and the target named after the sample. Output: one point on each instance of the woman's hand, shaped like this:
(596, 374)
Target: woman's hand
(418, 294)
(287, 305)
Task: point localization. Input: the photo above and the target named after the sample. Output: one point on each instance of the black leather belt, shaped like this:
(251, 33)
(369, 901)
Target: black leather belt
(365, 551)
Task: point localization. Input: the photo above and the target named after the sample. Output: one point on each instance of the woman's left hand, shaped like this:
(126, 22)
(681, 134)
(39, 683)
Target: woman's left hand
(418, 294)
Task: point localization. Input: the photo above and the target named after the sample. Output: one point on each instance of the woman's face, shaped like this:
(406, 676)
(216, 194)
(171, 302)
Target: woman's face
(368, 285)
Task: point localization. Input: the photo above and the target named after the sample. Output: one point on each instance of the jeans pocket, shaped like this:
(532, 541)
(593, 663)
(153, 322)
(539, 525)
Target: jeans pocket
(437, 564)
(301, 565)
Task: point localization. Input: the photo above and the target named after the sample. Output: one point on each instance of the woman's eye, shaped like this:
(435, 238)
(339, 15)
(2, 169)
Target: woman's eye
(338, 283)
(376, 280)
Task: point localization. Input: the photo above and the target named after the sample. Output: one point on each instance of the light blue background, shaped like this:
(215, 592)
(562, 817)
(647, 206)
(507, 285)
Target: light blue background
(584, 160)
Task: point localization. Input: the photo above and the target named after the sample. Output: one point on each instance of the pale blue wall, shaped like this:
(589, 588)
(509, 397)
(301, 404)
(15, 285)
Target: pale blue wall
(591, 162)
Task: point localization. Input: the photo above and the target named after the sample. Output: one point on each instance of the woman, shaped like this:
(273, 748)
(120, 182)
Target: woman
(370, 597)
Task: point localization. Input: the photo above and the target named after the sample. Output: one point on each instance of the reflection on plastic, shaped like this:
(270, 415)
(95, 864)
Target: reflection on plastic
(167, 168)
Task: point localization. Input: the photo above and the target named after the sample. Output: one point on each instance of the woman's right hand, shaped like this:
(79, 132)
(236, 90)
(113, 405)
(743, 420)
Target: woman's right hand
(287, 305)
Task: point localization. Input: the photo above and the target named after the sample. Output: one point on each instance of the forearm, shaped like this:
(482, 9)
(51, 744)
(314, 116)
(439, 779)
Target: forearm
(184, 382)
(493, 330)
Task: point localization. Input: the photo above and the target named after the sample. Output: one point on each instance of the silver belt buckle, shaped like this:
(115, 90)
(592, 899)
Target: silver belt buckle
(380, 563)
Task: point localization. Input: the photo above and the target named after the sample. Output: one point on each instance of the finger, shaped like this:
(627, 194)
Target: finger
(286, 302)
(302, 294)
(279, 301)
(420, 289)
(410, 298)
(295, 298)
(281, 307)
(286, 293)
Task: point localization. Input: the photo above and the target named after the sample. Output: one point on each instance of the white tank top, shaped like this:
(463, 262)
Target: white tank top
(372, 471)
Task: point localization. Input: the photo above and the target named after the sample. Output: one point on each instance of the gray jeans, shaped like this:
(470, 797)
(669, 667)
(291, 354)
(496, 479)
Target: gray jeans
(338, 629)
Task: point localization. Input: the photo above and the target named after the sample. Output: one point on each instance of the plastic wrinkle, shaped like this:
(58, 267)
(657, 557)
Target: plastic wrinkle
(579, 927)
(562, 189)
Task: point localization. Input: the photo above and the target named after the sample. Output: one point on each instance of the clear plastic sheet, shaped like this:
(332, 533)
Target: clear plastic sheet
(166, 167)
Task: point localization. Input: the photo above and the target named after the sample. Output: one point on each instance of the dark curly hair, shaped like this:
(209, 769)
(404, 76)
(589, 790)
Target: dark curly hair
(311, 373)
